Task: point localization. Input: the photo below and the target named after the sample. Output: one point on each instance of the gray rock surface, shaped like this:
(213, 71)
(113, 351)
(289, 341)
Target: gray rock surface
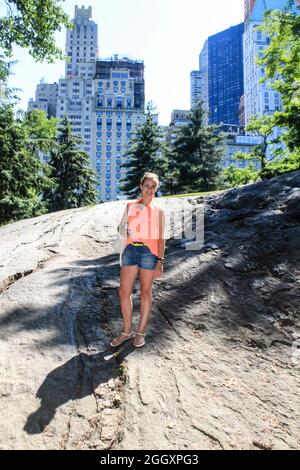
(219, 369)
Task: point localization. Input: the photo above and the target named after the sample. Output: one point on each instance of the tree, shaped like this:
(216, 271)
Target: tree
(70, 169)
(7, 94)
(172, 172)
(281, 61)
(21, 173)
(41, 131)
(31, 24)
(145, 153)
(260, 126)
(237, 176)
(198, 150)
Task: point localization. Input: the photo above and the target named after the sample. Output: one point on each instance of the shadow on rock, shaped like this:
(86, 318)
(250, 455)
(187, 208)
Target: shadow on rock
(73, 380)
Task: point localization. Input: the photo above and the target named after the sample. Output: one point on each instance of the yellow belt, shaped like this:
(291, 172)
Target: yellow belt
(137, 244)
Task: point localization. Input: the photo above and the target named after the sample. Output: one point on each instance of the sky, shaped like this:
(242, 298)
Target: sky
(167, 35)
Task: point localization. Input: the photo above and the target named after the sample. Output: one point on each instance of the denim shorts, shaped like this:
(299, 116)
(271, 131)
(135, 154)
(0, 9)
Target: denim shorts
(139, 255)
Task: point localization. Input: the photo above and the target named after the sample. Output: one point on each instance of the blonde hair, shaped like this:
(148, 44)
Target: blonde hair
(151, 176)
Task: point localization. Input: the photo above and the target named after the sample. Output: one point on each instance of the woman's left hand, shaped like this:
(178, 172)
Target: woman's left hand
(158, 270)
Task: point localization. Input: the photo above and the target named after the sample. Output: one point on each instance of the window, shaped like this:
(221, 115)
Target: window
(119, 101)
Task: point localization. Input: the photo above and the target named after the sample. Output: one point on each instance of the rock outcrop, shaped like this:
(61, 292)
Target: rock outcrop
(220, 368)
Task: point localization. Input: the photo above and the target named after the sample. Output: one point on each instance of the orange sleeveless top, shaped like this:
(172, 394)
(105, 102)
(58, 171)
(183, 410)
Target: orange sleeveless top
(143, 224)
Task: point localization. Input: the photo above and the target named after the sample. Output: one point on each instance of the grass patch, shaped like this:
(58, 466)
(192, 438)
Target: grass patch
(203, 193)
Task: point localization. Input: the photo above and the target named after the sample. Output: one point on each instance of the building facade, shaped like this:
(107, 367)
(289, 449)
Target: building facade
(260, 98)
(199, 80)
(225, 75)
(219, 83)
(45, 98)
(179, 117)
(237, 141)
(195, 87)
(104, 99)
(119, 103)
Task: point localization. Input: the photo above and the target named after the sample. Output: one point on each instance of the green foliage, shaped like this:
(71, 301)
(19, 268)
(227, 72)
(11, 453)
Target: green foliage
(172, 173)
(21, 173)
(7, 94)
(146, 154)
(70, 170)
(290, 162)
(236, 176)
(41, 131)
(281, 62)
(198, 150)
(261, 126)
(31, 24)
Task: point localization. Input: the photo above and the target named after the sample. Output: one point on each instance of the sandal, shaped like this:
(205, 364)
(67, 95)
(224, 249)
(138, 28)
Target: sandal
(140, 345)
(127, 337)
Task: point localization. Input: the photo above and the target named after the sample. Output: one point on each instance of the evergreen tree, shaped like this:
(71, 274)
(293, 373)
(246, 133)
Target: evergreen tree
(146, 154)
(172, 173)
(21, 175)
(70, 169)
(198, 149)
(41, 131)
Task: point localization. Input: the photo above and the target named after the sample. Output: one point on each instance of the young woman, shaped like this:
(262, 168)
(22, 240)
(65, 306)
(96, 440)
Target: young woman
(143, 225)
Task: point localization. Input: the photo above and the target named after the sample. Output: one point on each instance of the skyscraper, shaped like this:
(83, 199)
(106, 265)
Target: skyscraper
(103, 98)
(248, 7)
(119, 103)
(199, 79)
(225, 75)
(195, 87)
(260, 98)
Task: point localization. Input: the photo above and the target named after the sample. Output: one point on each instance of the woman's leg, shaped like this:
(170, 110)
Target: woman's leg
(127, 278)
(146, 280)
